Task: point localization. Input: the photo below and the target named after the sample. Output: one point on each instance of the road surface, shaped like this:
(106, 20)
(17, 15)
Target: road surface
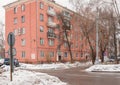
(77, 76)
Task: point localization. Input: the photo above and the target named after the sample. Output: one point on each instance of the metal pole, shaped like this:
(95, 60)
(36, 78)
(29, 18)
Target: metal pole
(36, 30)
(97, 38)
(11, 58)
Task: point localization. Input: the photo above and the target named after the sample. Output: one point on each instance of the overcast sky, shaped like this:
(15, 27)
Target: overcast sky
(4, 2)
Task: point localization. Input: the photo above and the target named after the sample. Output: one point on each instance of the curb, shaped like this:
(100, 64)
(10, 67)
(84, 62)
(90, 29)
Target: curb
(107, 71)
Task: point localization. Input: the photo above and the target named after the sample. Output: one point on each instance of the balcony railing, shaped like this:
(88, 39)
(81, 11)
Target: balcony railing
(51, 12)
(51, 35)
(67, 25)
(51, 24)
(66, 15)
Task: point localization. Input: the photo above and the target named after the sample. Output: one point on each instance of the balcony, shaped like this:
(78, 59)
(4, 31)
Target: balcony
(67, 25)
(51, 35)
(51, 24)
(51, 12)
(66, 15)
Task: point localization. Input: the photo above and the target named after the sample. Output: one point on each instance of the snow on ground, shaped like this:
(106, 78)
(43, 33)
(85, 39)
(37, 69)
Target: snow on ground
(23, 77)
(53, 65)
(107, 68)
(1, 60)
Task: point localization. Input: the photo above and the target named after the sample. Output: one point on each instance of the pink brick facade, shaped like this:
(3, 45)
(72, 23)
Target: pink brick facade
(32, 51)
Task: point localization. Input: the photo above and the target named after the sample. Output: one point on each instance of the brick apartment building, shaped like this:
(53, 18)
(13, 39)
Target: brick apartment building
(39, 33)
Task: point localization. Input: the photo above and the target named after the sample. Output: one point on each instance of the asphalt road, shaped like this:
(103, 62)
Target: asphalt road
(77, 76)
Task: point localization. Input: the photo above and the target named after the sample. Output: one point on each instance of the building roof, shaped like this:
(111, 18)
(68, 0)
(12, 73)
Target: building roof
(21, 1)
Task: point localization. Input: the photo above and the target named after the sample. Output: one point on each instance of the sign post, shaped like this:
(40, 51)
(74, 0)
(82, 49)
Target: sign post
(11, 42)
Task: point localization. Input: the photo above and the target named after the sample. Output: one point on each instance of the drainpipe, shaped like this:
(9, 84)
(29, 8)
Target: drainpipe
(36, 29)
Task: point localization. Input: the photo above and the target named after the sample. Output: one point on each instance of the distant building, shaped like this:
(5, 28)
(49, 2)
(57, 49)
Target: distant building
(39, 34)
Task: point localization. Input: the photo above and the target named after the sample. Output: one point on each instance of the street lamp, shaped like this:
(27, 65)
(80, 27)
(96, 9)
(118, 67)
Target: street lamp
(97, 30)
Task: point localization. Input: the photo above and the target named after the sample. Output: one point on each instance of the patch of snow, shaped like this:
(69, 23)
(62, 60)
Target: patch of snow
(53, 65)
(1, 60)
(23, 77)
(108, 68)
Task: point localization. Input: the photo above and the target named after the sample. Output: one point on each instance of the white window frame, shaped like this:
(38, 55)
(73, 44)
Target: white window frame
(41, 41)
(15, 32)
(23, 42)
(41, 17)
(15, 20)
(41, 5)
(22, 19)
(51, 54)
(51, 42)
(23, 30)
(23, 7)
(15, 10)
(65, 54)
(42, 54)
(23, 54)
(41, 29)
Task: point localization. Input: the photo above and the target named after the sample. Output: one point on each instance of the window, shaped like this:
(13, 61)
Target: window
(15, 10)
(50, 19)
(41, 5)
(51, 42)
(41, 17)
(41, 41)
(50, 30)
(15, 20)
(23, 7)
(23, 42)
(76, 44)
(41, 53)
(50, 8)
(19, 31)
(65, 54)
(51, 54)
(23, 54)
(41, 28)
(22, 19)
(15, 32)
(81, 54)
(76, 54)
(22, 30)
(65, 44)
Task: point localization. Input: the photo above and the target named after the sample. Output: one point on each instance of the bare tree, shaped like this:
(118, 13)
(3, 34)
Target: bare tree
(86, 16)
(64, 36)
(2, 49)
(85, 19)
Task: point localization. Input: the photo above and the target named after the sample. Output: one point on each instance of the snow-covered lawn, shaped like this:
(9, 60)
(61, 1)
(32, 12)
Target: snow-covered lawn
(107, 68)
(53, 66)
(23, 77)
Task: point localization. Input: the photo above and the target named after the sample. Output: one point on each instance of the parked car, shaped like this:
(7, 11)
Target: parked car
(7, 61)
(112, 58)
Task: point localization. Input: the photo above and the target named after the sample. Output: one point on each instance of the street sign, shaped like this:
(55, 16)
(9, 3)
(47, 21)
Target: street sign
(13, 52)
(11, 39)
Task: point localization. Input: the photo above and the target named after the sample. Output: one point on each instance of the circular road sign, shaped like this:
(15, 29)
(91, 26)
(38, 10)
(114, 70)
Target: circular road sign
(11, 39)
(13, 52)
